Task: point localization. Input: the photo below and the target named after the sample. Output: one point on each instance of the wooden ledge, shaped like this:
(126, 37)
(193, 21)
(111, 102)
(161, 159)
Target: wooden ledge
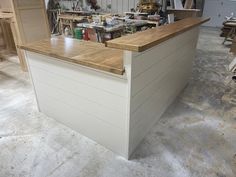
(144, 40)
(90, 54)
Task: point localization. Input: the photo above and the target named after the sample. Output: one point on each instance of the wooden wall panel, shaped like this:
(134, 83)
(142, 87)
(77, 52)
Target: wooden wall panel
(32, 21)
(27, 3)
(33, 30)
(6, 5)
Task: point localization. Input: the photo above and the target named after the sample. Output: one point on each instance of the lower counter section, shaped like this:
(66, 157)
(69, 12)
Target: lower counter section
(90, 102)
(115, 111)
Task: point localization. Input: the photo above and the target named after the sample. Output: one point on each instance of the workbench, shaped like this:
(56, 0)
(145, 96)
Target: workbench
(113, 94)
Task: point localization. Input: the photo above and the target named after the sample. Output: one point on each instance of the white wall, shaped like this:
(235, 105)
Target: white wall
(217, 10)
(117, 6)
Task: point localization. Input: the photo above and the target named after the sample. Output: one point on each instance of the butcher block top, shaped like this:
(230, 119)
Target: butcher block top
(90, 54)
(144, 40)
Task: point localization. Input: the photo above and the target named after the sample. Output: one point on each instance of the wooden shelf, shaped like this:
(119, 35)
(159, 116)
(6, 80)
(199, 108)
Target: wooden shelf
(145, 40)
(90, 54)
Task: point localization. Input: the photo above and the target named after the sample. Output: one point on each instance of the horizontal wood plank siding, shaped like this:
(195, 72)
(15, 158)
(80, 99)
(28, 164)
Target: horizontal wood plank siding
(108, 83)
(82, 99)
(158, 76)
(95, 129)
(162, 51)
(149, 81)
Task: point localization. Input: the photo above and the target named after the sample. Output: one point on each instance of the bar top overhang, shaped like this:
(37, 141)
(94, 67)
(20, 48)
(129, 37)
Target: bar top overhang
(144, 40)
(90, 54)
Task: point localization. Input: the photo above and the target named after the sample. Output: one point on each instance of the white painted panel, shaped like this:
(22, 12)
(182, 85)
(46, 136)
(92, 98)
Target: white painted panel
(161, 51)
(95, 95)
(106, 82)
(114, 118)
(184, 63)
(159, 71)
(160, 82)
(92, 111)
(149, 76)
(97, 130)
(151, 111)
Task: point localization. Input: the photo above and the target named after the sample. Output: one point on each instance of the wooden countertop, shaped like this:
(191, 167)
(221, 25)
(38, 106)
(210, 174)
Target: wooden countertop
(144, 40)
(94, 55)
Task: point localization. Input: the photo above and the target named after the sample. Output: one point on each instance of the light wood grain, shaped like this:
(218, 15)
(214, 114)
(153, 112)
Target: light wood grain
(94, 55)
(142, 41)
(7, 36)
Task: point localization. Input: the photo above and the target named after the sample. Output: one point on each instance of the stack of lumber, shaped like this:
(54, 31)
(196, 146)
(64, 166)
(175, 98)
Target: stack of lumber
(226, 29)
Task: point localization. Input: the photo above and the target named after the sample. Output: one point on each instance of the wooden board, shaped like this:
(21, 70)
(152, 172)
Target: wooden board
(94, 55)
(31, 20)
(184, 13)
(145, 40)
(7, 36)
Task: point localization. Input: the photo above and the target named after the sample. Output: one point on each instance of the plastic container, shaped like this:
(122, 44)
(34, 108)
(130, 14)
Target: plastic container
(78, 33)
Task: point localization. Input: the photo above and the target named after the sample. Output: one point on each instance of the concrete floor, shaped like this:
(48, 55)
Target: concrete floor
(196, 137)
